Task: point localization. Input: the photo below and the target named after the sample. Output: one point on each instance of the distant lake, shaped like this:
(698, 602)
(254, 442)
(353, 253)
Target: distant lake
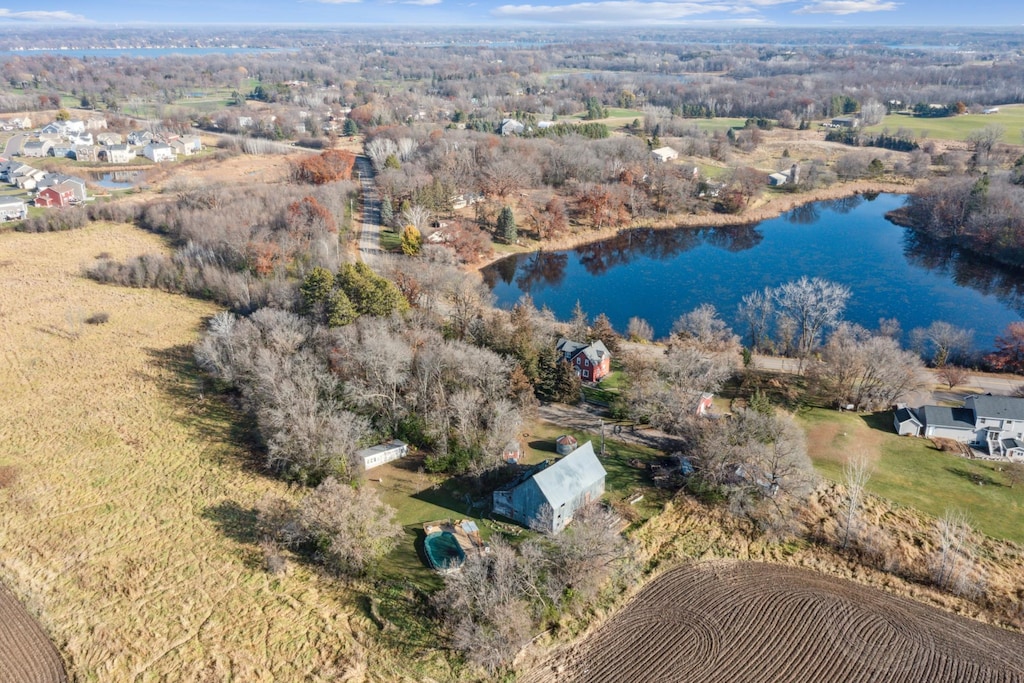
(658, 275)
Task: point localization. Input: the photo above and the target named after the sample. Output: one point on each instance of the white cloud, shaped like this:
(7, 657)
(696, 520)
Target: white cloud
(423, 3)
(338, 2)
(59, 16)
(846, 7)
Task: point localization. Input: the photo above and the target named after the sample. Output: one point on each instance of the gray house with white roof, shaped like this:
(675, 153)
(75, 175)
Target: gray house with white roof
(548, 496)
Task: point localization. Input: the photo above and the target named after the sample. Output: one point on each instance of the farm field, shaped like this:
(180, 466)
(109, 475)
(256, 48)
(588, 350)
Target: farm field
(26, 653)
(1010, 117)
(910, 471)
(746, 621)
(129, 528)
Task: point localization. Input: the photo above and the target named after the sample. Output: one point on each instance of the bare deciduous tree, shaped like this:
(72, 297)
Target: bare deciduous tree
(639, 330)
(952, 565)
(814, 305)
(349, 526)
(756, 310)
(953, 375)
(856, 472)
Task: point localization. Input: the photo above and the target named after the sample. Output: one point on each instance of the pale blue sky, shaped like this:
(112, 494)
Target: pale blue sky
(950, 13)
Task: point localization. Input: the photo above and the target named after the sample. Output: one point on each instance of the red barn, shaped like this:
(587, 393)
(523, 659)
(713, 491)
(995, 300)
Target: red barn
(54, 196)
(592, 361)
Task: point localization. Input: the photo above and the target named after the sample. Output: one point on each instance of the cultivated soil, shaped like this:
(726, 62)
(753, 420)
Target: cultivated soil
(744, 621)
(26, 653)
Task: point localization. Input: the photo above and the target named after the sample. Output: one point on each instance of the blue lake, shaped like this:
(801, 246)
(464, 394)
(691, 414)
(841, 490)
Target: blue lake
(658, 275)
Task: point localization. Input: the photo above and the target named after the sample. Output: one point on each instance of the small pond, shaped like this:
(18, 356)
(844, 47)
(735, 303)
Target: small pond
(116, 180)
(658, 275)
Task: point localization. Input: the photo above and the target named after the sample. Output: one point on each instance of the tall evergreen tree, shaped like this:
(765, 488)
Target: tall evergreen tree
(507, 225)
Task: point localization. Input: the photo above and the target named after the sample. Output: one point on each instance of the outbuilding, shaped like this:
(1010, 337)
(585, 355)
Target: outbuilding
(376, 456)
(547, 497)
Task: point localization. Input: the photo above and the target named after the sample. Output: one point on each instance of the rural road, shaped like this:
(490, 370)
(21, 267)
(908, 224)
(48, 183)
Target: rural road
(369, 234)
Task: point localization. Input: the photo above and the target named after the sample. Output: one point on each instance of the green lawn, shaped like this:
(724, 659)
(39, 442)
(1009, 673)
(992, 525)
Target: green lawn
(911, 472)
(1010, 117)
(390, 241)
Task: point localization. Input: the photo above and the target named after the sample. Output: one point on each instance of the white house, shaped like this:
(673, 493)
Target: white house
(119, 154)
(36, 148)
(158, 152)
(664, 154)
(376, 456)
(12, 209)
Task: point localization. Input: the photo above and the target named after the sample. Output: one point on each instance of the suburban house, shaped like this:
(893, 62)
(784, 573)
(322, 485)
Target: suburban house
(36, 148)
(12, 209)
(845, 122)
(664, 154)
(186, 146)
(109, 139)
(54, 197)
(548, 496)
(992, 424)
(119, 154)
(19, 122)
(592, 361)
(140, 137)
(376, 456)
(96, 123)
(62, 150)
(511, 127)
(86, 152)
(158, 152)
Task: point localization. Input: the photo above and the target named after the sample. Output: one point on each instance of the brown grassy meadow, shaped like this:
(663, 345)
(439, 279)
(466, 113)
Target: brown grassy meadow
(127, 528)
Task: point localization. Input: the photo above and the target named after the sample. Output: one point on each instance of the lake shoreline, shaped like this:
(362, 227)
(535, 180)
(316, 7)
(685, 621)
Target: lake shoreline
(768, 207)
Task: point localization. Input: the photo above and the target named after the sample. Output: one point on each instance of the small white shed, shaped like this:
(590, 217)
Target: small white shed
(384, 453)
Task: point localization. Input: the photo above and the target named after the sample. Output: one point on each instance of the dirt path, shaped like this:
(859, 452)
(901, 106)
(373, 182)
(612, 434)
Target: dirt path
(588, 418)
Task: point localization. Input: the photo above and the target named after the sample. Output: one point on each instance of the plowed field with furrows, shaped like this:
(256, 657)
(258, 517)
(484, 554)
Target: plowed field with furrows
(26, 653)
(742, 621)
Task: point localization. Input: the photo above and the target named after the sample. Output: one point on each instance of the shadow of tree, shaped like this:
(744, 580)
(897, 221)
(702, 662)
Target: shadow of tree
(200, 406)
(978, 478)
(234, 521)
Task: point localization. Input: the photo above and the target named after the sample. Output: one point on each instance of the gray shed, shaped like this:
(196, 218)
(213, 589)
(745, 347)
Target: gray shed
(559, 489)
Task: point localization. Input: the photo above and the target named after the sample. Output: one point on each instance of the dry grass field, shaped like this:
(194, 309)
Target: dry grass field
(127, 528)
(746, 621)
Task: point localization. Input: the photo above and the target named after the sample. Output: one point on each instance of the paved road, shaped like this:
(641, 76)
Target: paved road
(369, 234)
(14, 144)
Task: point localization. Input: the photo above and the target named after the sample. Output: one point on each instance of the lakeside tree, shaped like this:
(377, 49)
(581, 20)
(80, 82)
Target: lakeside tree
(507, 225)
(942, 343)
(856, 473)
(813, 305)
(639, 330)
(1009, 350)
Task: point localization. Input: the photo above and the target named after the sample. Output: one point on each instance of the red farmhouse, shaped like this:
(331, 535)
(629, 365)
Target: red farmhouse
(591, 361)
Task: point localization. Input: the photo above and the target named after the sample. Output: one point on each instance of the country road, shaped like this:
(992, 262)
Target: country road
(369, 234)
